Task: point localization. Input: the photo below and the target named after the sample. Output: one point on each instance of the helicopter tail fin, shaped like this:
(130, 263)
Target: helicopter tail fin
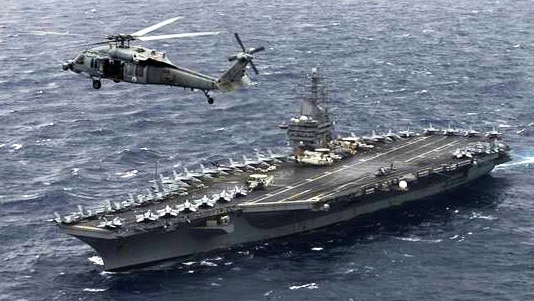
(235, 77)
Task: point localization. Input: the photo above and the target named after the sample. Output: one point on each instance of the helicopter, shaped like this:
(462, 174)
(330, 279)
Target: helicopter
(121, 62)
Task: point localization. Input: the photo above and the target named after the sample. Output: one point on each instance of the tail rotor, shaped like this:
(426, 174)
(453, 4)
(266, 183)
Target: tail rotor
(246, 55)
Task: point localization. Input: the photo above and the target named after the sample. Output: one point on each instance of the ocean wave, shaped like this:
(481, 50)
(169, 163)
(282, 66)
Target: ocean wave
(127, 174)
(97, 260)
(523, 161)
(309, 286)
(418, 239)
(94, 290)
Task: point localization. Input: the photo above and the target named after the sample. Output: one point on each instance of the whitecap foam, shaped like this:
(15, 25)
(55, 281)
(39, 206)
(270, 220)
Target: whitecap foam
(128, 174)
(317, 249)
(94, 290)
(208, 263)
(411, 238)
(417, 239)
(96, 260)
(29, 196)
(480, 216)
(309, 286)
(108, 273)
(522, 161)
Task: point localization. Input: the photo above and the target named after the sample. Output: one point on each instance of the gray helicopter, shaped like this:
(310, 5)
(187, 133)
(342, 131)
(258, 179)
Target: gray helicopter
(120, 62)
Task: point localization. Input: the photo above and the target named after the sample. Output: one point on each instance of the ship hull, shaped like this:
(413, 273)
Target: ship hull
(245, 226)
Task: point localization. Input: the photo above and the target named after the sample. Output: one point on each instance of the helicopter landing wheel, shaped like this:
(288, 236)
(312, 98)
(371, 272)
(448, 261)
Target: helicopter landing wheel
(97, 84)
(210, 99)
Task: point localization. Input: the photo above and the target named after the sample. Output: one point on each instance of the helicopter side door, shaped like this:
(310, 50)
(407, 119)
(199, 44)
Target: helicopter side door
(111, 69)
(135, 73)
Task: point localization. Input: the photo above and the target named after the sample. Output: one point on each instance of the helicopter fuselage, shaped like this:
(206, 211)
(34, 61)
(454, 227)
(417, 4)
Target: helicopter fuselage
(136, 65)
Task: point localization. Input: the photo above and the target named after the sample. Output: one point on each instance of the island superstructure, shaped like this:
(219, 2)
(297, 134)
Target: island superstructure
(325, 180)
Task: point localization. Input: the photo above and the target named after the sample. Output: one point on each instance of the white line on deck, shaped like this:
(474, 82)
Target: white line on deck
(433, 150)
(294, 196)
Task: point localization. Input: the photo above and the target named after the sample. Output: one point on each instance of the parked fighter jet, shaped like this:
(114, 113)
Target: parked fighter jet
(407, 133)
(493, 134)
(430, 130)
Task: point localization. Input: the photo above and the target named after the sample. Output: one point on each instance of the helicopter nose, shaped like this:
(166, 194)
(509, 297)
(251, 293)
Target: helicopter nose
(66, 66)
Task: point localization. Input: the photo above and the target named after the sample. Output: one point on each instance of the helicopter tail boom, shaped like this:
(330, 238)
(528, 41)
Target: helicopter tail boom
(234, 78)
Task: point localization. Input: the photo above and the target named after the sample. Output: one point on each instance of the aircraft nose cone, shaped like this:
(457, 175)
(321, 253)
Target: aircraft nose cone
(67, 65)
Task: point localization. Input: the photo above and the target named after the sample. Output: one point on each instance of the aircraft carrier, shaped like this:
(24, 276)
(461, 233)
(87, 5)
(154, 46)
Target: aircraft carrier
(324, 181)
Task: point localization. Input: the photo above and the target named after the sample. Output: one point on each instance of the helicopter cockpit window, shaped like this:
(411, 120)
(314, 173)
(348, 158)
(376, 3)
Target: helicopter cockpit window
(79, 59)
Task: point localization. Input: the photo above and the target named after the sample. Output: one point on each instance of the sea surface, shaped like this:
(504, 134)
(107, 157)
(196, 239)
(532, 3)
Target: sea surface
(389, 64)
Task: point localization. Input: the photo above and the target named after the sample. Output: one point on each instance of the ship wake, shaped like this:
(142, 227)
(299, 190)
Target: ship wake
(521, 161)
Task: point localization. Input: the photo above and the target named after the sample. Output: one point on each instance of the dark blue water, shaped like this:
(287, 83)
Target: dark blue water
(390, 64)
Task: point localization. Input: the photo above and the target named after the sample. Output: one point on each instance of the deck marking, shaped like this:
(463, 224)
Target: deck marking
(89, 228)
(294, 196)
(433, 150)
(339, 188)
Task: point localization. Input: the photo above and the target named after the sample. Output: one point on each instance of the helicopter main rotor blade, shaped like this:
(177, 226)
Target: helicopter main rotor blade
(178, 36)
(144, 31)
(254, 68)
(240, 42)
(254, 50)
(45, 33)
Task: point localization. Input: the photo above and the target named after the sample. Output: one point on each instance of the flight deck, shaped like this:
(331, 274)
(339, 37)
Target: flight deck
(300, 184)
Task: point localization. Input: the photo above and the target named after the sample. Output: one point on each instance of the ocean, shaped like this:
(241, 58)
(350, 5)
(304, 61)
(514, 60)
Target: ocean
(388, 64)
